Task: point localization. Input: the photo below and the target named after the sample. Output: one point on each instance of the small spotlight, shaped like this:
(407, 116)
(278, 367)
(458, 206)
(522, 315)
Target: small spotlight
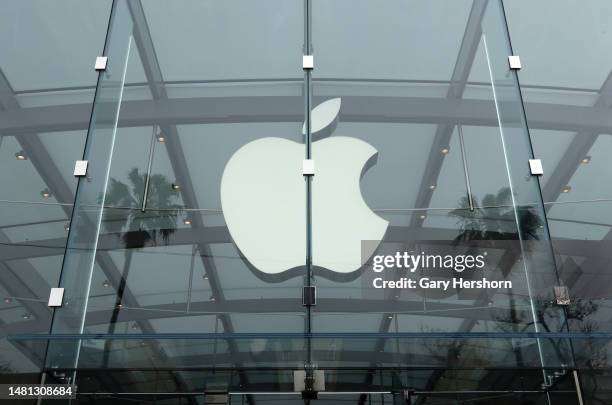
(21, 155)
(119, 306)
(586, 159)
(187, 221)
(432, 187)
(205, 276)
(212, 298)
(66, 227)
(490, 303)
(389, 316)
(7, 300)
(26, 316)
(445, 151)
(46, 193)
(105, 283)
(566, 189)
(175, 187)
(161, 138)
(422, 216)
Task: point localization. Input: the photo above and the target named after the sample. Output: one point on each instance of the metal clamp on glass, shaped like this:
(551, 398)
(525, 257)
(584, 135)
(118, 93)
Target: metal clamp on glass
(56, 297)
(307, 62)
(308, 168)
(80, 168)
(562, 296)
(309, 296)
(515, 62)
(535, 166)
(309, 382)
(101, 63)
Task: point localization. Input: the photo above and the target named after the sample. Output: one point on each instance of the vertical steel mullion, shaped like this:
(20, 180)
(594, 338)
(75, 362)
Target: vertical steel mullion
(308, 146)
(308, 179)
(466, 173)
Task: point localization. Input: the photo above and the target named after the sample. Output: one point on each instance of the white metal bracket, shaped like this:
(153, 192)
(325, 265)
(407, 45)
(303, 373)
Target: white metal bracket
(308, 62)
(101, 63)
(515, 62)
(56, 297)
(308, 167)
(80, 168)
(535, 166)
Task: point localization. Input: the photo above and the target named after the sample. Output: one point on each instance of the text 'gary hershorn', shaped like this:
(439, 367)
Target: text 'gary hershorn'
(456, 264)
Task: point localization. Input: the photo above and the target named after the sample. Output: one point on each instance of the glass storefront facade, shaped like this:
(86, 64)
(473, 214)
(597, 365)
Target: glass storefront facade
(188, 252)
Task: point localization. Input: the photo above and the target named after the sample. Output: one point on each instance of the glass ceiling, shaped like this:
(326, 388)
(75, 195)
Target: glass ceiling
(228, 76)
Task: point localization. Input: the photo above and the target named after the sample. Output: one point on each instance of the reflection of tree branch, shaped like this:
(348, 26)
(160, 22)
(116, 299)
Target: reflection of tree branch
(495, 217)
(451, 352)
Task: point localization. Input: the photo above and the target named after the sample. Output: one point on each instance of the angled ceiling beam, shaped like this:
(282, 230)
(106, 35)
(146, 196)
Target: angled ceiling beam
(231, 110)
(578, 148)
(150, 62)
(444, 132)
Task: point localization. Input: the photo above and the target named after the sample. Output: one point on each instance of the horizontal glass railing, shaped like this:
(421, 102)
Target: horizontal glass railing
(329, 350)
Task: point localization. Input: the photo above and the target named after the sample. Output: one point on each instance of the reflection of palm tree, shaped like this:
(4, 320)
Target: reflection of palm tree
(135, 227)
(139, 227)
(494, 219)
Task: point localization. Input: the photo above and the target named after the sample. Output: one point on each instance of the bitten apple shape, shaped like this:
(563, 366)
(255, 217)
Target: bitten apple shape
(263, 197)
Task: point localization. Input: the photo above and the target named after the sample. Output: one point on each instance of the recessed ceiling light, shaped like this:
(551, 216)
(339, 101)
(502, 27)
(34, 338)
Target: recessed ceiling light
(390, 317)
(567, 189)
(432, 187)
(105, 283)
(26, 316)
(46, 193)
(187, 221)
(212, 298)
(445, 151)
(161, 138)
(175, 186)
(66, 227)
(422, 216)
(586, 159)
(21, 155)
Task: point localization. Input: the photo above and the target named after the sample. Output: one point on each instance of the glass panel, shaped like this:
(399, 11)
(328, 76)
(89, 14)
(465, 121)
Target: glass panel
(219, 163)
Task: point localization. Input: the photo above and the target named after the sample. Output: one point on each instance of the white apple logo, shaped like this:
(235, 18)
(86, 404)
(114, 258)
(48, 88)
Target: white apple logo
(263, 197)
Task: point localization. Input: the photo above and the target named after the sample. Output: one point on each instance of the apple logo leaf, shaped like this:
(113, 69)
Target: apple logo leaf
(323, 119)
